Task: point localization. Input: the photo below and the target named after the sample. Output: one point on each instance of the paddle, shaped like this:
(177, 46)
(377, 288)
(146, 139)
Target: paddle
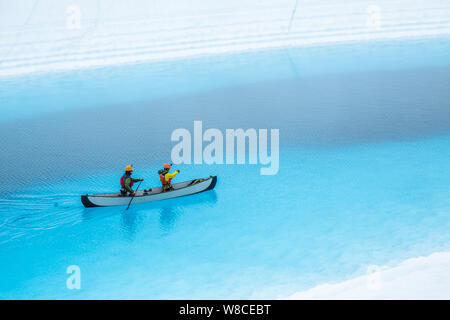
(134, 194)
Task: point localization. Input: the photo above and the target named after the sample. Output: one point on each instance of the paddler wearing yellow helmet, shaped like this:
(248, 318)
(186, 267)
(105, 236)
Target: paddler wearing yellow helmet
(166, 177)
(126, 182)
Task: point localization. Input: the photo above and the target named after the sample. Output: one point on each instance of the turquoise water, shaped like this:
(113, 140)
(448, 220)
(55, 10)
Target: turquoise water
(364, 176)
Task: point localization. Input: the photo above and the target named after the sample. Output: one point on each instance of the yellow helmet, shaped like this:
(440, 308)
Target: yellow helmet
(128, 168)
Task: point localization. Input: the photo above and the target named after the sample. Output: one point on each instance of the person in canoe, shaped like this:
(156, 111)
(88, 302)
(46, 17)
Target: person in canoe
(126, 182)
(166, 177)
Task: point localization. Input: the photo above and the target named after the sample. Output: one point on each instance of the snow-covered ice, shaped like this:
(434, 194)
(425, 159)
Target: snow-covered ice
(58, 35)
(417, 278)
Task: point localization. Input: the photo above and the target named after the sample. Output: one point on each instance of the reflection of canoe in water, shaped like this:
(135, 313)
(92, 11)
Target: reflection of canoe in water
(179, 190)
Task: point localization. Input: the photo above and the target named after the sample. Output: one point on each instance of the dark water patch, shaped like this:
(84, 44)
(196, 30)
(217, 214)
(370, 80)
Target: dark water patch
(317, 111)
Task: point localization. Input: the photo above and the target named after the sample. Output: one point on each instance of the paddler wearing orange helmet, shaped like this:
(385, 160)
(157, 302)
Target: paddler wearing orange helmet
(166, 177)
(126, 182)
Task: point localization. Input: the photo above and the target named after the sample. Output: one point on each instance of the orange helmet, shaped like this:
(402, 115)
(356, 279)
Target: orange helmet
(128, 168)
(166, 166)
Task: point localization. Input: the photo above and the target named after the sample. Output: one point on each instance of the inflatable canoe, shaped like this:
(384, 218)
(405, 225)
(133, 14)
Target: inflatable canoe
(155, 194)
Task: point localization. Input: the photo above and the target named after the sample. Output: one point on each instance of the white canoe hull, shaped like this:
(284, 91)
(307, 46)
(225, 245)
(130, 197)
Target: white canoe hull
(179, 190)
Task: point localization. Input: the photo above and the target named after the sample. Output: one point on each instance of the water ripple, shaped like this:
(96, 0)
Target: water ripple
(37, 212)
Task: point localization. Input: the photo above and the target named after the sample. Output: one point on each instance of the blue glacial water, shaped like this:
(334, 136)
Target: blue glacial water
(364, 176)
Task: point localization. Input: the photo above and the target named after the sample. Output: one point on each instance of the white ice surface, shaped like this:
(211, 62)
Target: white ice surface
(417, 278)
(50, 35)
